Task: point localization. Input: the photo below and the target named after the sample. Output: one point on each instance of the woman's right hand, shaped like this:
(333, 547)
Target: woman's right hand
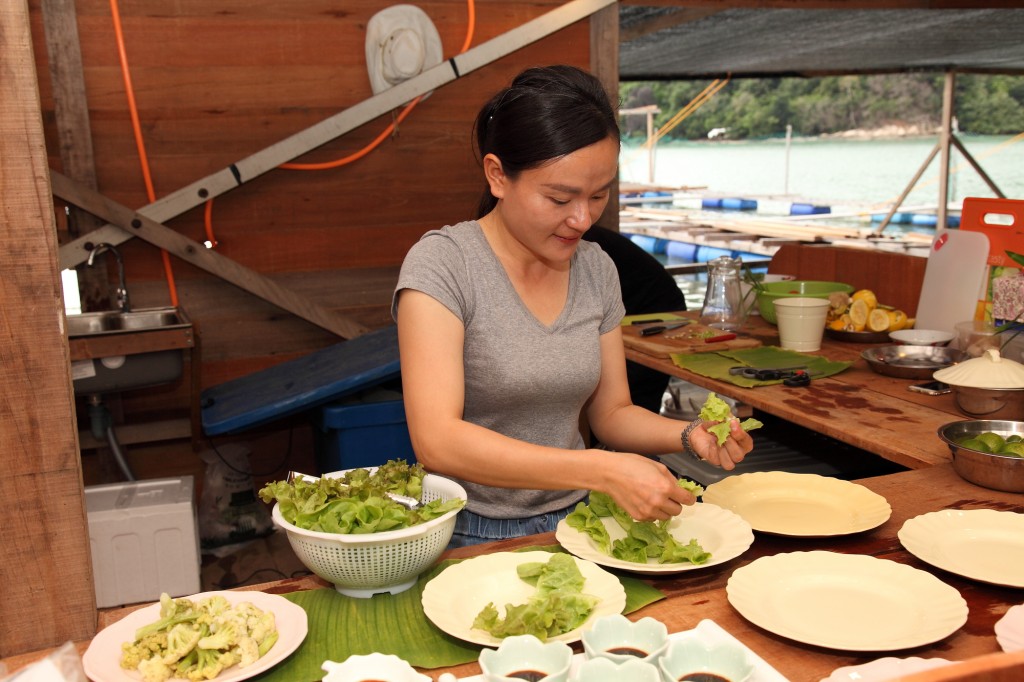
(644, 487)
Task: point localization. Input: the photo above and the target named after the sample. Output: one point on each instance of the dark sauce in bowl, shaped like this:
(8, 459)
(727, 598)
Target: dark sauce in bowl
(702, 677)
(628, 651)
(528, 675)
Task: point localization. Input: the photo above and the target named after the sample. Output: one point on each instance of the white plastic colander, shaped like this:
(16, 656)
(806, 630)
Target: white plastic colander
(368, 564)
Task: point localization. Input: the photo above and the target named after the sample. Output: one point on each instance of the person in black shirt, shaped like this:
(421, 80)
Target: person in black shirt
(646, 288)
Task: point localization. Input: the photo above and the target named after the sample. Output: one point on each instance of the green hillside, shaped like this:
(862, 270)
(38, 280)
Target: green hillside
(759, 108)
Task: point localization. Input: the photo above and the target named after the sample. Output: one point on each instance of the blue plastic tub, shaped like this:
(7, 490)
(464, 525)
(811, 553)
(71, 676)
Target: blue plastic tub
(349, 435)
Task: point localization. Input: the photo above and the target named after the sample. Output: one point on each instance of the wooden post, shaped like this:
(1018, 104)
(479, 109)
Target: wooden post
(944, 143)
(45, 566)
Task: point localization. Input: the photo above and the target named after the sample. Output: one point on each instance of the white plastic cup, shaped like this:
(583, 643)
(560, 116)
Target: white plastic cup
(801, 322)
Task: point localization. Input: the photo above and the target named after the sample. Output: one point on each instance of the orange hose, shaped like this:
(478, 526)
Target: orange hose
(139, 141)
(377, 141)
(470, 29)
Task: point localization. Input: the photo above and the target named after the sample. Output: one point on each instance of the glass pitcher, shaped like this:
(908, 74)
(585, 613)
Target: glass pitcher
(724, 305)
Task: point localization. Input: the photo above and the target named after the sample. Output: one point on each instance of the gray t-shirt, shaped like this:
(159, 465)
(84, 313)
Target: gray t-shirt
(524, 379)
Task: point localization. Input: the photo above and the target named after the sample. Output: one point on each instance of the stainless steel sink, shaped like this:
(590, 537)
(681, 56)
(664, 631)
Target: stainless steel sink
(118, 322)
(116, 350)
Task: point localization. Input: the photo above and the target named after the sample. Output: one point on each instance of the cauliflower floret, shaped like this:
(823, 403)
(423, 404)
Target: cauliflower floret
(154, 670)
(133, 653)
(181, 639)
(260, 626)
(248, 651)
(223, 638)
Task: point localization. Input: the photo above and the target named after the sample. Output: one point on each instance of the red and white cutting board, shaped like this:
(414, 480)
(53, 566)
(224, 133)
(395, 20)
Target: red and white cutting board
(954, 280)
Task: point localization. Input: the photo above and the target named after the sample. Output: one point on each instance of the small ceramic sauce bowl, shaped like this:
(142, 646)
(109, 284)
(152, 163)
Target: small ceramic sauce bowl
(372, 667)
(689, 659)
(524, 657)
(921, 337)
(619, 639)
(606, 670)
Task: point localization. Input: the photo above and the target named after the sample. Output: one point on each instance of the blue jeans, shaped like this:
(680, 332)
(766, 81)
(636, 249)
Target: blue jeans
(472, 529)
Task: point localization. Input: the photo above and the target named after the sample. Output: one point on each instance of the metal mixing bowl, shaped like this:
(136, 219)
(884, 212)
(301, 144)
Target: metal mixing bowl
(990, 403)
(998, 472)
(911, 362)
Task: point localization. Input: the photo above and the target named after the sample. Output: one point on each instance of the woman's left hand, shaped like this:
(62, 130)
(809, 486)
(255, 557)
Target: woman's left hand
(728, 454)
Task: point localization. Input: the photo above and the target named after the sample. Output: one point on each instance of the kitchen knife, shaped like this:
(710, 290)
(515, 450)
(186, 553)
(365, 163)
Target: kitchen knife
(651, 331)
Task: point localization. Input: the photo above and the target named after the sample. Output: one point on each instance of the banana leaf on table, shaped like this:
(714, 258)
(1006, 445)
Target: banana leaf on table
(341, 626)
(717, 365)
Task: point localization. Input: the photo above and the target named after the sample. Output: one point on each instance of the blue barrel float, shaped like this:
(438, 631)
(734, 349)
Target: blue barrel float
(683, 251)
(730, 204)
(653, 245)
(808, 209)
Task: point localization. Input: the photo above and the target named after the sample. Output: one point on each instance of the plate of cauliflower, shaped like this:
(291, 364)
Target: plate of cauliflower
(223, 635)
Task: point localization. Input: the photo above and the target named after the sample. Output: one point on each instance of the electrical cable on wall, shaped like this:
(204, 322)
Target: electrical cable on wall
(355, 156)
(139, 141)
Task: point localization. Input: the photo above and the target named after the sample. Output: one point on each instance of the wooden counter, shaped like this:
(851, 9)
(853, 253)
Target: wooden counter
(857, 406)
(695, 595)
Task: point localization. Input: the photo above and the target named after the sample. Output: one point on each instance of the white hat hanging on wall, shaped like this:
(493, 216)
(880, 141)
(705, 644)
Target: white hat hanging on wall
(401, 42)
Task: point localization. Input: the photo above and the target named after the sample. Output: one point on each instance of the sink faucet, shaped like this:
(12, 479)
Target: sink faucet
(122, 289)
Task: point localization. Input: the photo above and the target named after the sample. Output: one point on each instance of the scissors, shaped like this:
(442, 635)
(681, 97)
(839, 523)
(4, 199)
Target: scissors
(770, 373)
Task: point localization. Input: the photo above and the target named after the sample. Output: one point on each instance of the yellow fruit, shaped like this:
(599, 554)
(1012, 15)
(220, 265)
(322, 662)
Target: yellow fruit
(859, 312)
(910, 323)
(897, 320)
(839, 324)
(867, 296)
(878, 320)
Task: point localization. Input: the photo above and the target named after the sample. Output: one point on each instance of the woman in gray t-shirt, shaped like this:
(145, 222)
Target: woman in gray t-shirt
(509, 329)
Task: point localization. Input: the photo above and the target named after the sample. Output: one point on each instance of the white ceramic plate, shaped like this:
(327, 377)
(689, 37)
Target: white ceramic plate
(102, 660)
(882, 669)
(453, 599)
(1010, 629)
(981, 544)
(708, 630)
(806, 505)
(851, 602)
(718, 531)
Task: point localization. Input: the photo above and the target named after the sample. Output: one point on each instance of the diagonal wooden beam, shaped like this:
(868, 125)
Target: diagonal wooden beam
(75, 252)
(134, 224)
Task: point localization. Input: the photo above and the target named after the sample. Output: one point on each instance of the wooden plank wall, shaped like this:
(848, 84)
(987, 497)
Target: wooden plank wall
(46, 591)
(217, 81)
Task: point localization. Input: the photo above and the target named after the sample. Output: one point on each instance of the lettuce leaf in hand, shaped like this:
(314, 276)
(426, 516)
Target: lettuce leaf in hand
(644, 540)
(717, 410)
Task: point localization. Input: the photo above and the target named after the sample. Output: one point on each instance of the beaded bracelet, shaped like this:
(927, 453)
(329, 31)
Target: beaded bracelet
(685, 438)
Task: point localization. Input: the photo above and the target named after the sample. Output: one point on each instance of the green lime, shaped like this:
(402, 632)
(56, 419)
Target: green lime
(1014, 449)
(975, 444)
(994, 441)
(1014, 438)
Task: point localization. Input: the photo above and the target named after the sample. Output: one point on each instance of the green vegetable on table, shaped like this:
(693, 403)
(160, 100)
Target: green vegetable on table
(992, 443)
(357, 502)
(199, 640)
(644, 540)
(717, 410)
(558, 606)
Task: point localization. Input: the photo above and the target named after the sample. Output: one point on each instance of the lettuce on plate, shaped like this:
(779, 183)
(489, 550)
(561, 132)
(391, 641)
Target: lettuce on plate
(717, 410)
(645, 540)
(558, 606)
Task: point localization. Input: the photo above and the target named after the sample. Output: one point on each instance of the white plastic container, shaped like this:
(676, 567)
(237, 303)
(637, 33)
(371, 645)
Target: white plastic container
(145, 540)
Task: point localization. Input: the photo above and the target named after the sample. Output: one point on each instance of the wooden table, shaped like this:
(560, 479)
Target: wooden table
(695, 595)
(857, 406)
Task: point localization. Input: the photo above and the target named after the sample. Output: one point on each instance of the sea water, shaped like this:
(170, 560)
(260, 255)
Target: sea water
(831, 171)
(850, 176)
